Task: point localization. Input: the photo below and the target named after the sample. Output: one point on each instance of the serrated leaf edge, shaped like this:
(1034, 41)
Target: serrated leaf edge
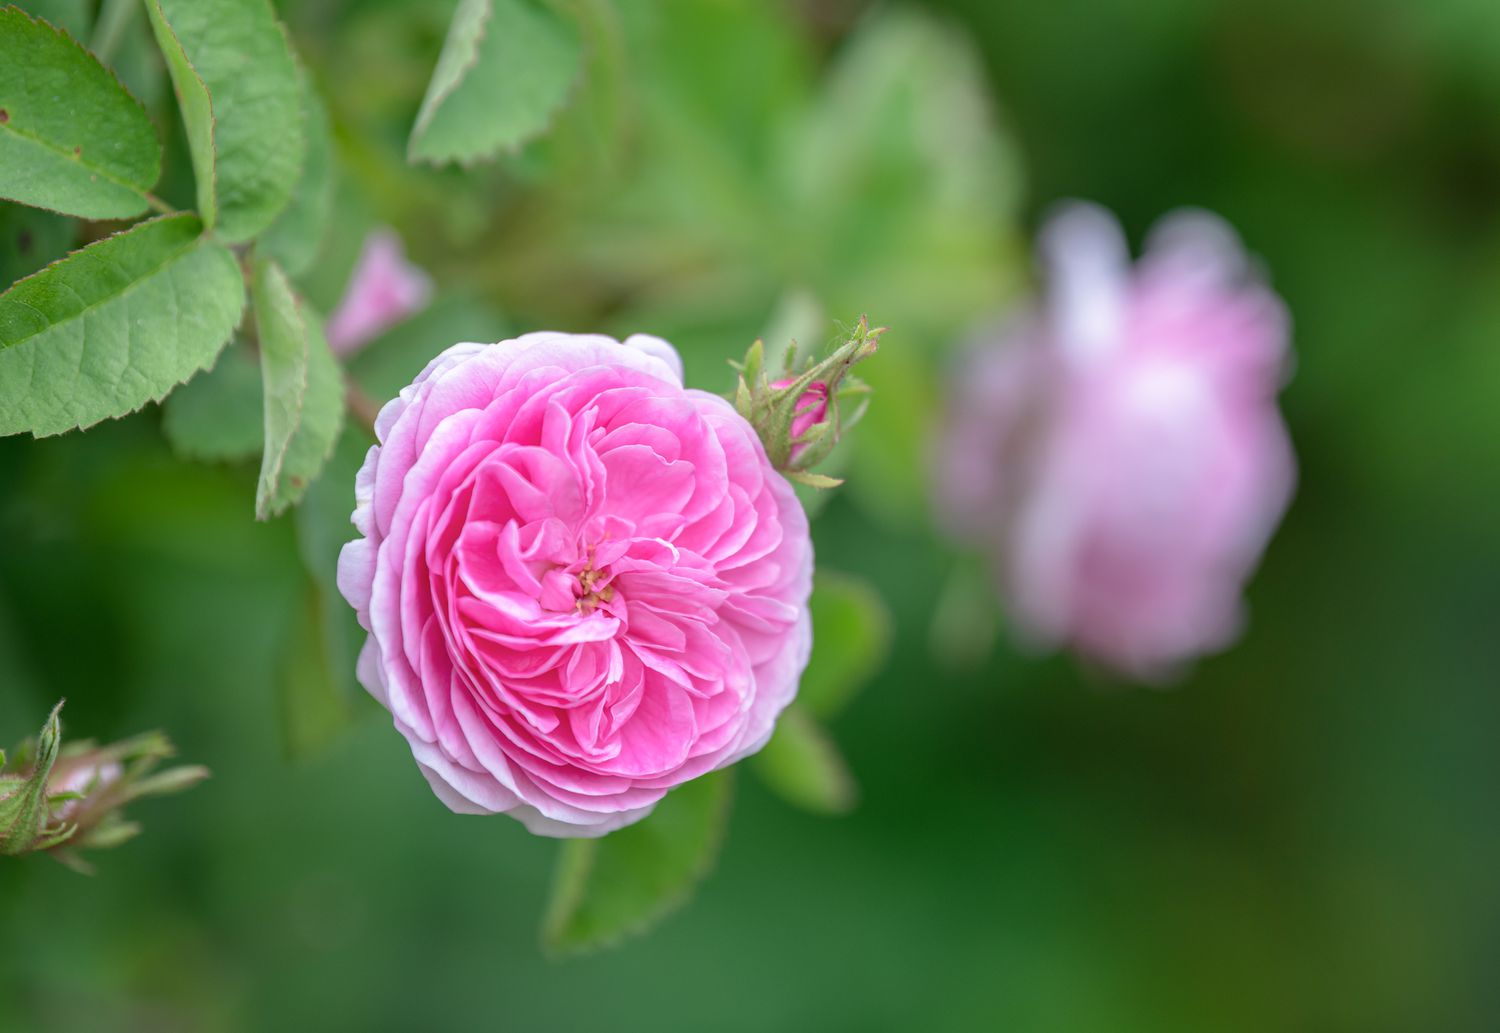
(202, 238)
(479, 157)
(157, 17)
(432, 103)
(270, 478)
(156, 172)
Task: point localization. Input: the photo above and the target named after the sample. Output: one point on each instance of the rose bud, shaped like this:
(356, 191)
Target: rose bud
(811, 409)
(583, 583)
(384, 289)
(80, 776)
(1119, 451)
(800, 416)
(62, 799)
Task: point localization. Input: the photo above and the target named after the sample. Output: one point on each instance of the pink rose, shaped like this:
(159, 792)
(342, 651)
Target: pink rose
(811, 410)
(1121, 452)
(583, 583)
(384, 289)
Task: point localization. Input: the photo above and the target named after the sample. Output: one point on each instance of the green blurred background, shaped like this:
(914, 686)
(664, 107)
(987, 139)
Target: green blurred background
(1299, 836)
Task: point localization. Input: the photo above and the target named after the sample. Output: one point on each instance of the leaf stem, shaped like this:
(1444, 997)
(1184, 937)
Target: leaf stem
(160, 205)
(361, 406)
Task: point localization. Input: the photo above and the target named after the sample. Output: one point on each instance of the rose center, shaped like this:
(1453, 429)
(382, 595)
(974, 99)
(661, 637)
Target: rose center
(592, 596)
(593, 589)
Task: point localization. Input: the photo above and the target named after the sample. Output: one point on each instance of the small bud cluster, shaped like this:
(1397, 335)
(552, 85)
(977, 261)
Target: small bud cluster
(60, 799)
(801, 415)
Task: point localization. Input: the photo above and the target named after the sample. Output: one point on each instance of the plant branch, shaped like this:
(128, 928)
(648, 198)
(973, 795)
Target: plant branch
(361, 406)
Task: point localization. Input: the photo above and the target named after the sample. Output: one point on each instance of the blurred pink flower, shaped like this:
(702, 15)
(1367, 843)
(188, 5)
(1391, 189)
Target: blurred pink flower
(584, 584)
(811, 409)
(1120, 452)
(384, 289)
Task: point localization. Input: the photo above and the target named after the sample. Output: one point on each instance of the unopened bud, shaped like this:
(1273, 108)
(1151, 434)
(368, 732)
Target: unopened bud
(811, 409)
(803, 414)
(62, 799)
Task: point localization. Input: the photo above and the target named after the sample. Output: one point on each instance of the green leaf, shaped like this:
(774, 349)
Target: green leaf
(506, 69)
(296, 237)
(281, 326)
(804, 767)
(29, 239)
(313, 704)
(393, 360)
(71, 138)
(303, 391)
(114, 326)
(72, 16)
(852, 631)
(605, 890)
(217, 417)
(238, 88)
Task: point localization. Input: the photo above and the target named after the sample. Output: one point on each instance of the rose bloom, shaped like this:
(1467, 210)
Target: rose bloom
(384, 289)
(1120, 451)
(583, 583)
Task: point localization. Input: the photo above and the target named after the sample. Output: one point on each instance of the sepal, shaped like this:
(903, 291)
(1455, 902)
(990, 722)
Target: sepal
(26, 820)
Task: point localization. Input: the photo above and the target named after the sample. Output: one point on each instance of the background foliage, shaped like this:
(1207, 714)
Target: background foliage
(1299, 837)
